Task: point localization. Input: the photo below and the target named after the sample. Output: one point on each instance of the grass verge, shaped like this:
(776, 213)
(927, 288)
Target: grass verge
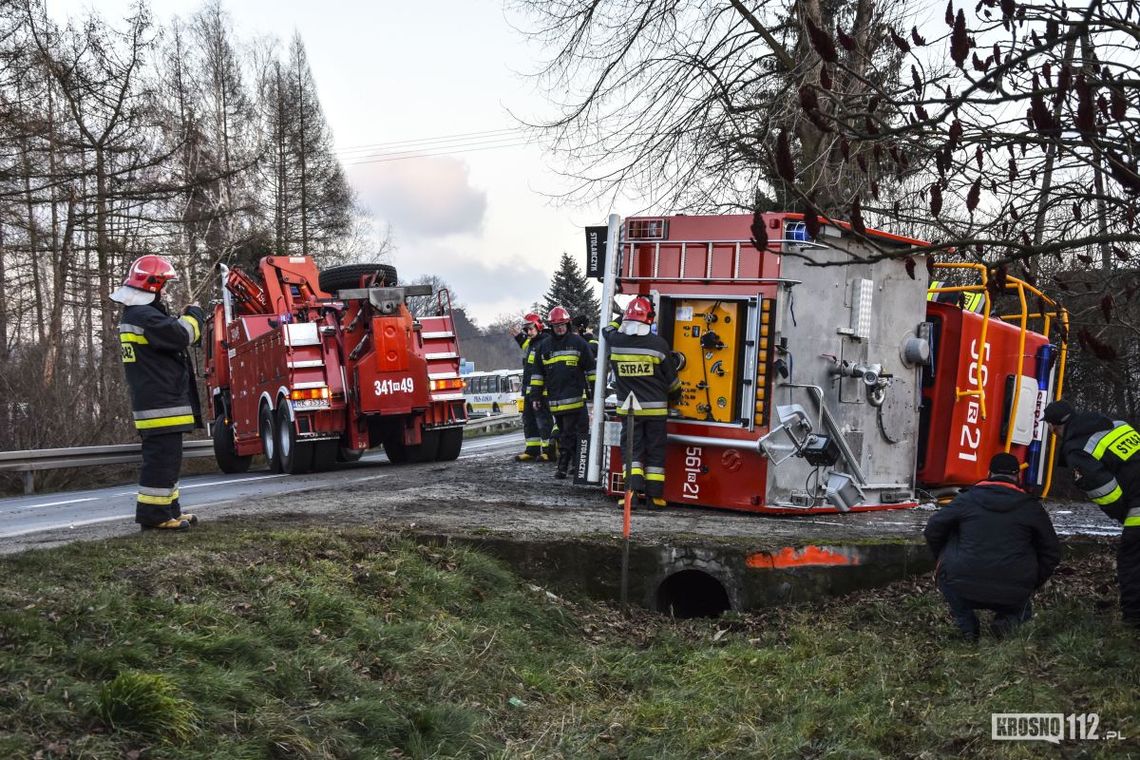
(241, 641)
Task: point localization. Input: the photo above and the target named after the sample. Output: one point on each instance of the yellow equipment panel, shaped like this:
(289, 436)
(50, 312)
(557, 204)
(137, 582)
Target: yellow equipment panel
(707, 333)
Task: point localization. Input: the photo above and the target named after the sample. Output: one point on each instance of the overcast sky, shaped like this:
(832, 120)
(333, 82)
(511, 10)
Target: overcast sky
(390, 71)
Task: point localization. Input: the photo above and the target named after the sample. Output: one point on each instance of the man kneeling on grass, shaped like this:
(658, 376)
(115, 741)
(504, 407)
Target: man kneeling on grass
(995, 546)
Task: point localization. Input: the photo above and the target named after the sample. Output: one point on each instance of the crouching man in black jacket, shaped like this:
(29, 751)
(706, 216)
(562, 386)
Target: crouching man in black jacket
(995, 546)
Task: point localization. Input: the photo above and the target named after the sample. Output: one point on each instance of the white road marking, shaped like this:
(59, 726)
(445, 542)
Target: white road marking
(59, 503)
(227, 482)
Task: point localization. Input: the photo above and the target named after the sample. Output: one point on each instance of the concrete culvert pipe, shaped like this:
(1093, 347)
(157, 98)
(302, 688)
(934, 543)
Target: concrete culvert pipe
(692, 594)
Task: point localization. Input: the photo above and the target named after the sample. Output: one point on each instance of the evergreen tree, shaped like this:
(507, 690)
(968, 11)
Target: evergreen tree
(570, 288)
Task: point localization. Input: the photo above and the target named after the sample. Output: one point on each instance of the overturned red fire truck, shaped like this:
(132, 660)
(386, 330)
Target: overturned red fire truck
(854, 386)
(309, 367)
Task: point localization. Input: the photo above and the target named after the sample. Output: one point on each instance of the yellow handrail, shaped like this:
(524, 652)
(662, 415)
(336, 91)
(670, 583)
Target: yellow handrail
(1014, 283)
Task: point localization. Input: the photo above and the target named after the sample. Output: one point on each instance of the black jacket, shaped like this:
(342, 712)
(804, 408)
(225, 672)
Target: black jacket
(529, 346)
(564, 370)
(994, 543)
(642, 365)
(164, 396)
(1109, 480)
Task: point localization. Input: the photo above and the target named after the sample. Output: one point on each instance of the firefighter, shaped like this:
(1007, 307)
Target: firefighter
(582, 327)
(164, 397)
(642, 365)
(537, 423)
(995, 545)
(1102, 454)
(564, 373)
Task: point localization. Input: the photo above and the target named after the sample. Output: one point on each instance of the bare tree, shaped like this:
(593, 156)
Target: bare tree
(690, 105)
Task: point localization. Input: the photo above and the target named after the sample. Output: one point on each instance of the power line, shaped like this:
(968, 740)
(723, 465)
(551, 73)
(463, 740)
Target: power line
(428, 142)
(385, 158)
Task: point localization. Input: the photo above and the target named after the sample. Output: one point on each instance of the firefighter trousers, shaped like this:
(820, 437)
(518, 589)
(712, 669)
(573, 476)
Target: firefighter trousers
(572, 426)
(1128, 574)
(536, 427)
(157, 499)
(645, 466)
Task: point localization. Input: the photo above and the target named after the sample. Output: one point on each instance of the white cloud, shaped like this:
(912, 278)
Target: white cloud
(487, 288)
(422, 197)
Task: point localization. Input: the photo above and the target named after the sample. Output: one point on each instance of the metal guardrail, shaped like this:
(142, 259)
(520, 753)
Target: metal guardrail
(28, 461)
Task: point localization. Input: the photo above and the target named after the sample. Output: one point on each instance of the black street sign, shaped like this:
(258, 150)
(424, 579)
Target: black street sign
(596, 251)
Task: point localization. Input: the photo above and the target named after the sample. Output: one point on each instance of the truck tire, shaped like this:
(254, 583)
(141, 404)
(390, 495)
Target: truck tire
(345, 454)
(227, 458)
(295, 457)
(348, 276)
(392, 438)
(267, 429)
(426, 451)
(450, 444)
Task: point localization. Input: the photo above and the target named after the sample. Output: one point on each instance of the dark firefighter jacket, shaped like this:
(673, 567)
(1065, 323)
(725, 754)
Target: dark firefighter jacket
(529, 346)
(641, 365)
(564, 369)
(994, 543)
(164, 397)
(1103, 456)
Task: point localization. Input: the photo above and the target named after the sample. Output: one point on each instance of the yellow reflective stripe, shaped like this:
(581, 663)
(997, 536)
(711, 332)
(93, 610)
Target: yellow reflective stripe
(193, 323)
(133, 338)
(161, 501)
(566, 407)
(1132, 522)
(636, 471)
(157, 422)
(1110, 498)
(1111, 438)
(568, 360)
(655, 476)
(645, 412)
(635, 357)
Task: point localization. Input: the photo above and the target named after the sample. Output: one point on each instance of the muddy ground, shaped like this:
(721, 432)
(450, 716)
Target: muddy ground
(490, 494)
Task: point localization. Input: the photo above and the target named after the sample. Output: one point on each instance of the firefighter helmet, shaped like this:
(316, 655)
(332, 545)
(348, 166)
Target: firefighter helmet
(639, 310)
(534, 320)
(150, 273)
(145, 280)
(558, 316)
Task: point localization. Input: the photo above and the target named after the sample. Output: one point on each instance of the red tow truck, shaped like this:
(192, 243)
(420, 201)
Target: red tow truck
(308, 367)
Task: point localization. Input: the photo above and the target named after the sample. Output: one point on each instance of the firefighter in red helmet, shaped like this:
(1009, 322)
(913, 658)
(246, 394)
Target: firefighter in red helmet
(643, 366)
(564, 374)
(164, 397)
(537, 422)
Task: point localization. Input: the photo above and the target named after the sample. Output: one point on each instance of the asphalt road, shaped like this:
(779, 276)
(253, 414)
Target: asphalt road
(486, 492)
(25, 515)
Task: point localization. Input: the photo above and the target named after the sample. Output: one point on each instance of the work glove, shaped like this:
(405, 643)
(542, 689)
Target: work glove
(196, 312)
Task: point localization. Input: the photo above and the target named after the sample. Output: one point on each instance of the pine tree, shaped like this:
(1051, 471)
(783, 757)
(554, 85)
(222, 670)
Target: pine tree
(570, 288)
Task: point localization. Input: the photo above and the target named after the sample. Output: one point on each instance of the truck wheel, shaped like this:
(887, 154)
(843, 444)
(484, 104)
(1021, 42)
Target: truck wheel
(228, 460)
(295, 457)
(392, 436)
(268, 431)
(348, 276)
(450, 444)
(426, 451)
(345, 454)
